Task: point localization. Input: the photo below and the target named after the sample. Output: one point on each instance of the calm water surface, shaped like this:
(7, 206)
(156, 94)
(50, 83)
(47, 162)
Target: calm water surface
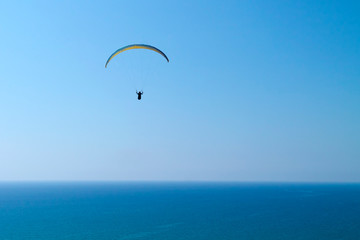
(173, 211)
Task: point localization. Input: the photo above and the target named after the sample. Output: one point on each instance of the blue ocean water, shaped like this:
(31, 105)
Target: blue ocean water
(172, 211)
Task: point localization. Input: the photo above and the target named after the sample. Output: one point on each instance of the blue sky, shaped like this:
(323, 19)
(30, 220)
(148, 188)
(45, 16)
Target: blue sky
(254, 91)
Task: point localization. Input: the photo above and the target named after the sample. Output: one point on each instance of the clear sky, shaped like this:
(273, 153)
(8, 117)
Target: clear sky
(254, 91)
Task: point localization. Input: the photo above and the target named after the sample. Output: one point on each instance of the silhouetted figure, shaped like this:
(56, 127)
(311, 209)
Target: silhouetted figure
(139, 94)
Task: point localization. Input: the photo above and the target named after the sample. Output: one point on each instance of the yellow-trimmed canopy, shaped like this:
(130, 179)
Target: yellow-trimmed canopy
(136, 46)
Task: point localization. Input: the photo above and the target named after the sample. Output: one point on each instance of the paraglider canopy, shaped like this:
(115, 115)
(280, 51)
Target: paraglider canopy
(136, 46)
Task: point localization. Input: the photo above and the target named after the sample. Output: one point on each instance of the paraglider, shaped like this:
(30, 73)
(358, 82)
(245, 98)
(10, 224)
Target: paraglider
(136, 46)
(139, 94)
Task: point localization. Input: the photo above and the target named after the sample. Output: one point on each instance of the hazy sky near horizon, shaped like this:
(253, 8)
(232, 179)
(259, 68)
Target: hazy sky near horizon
(254, 91)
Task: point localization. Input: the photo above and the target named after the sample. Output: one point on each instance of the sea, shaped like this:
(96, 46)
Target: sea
(179, 211)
